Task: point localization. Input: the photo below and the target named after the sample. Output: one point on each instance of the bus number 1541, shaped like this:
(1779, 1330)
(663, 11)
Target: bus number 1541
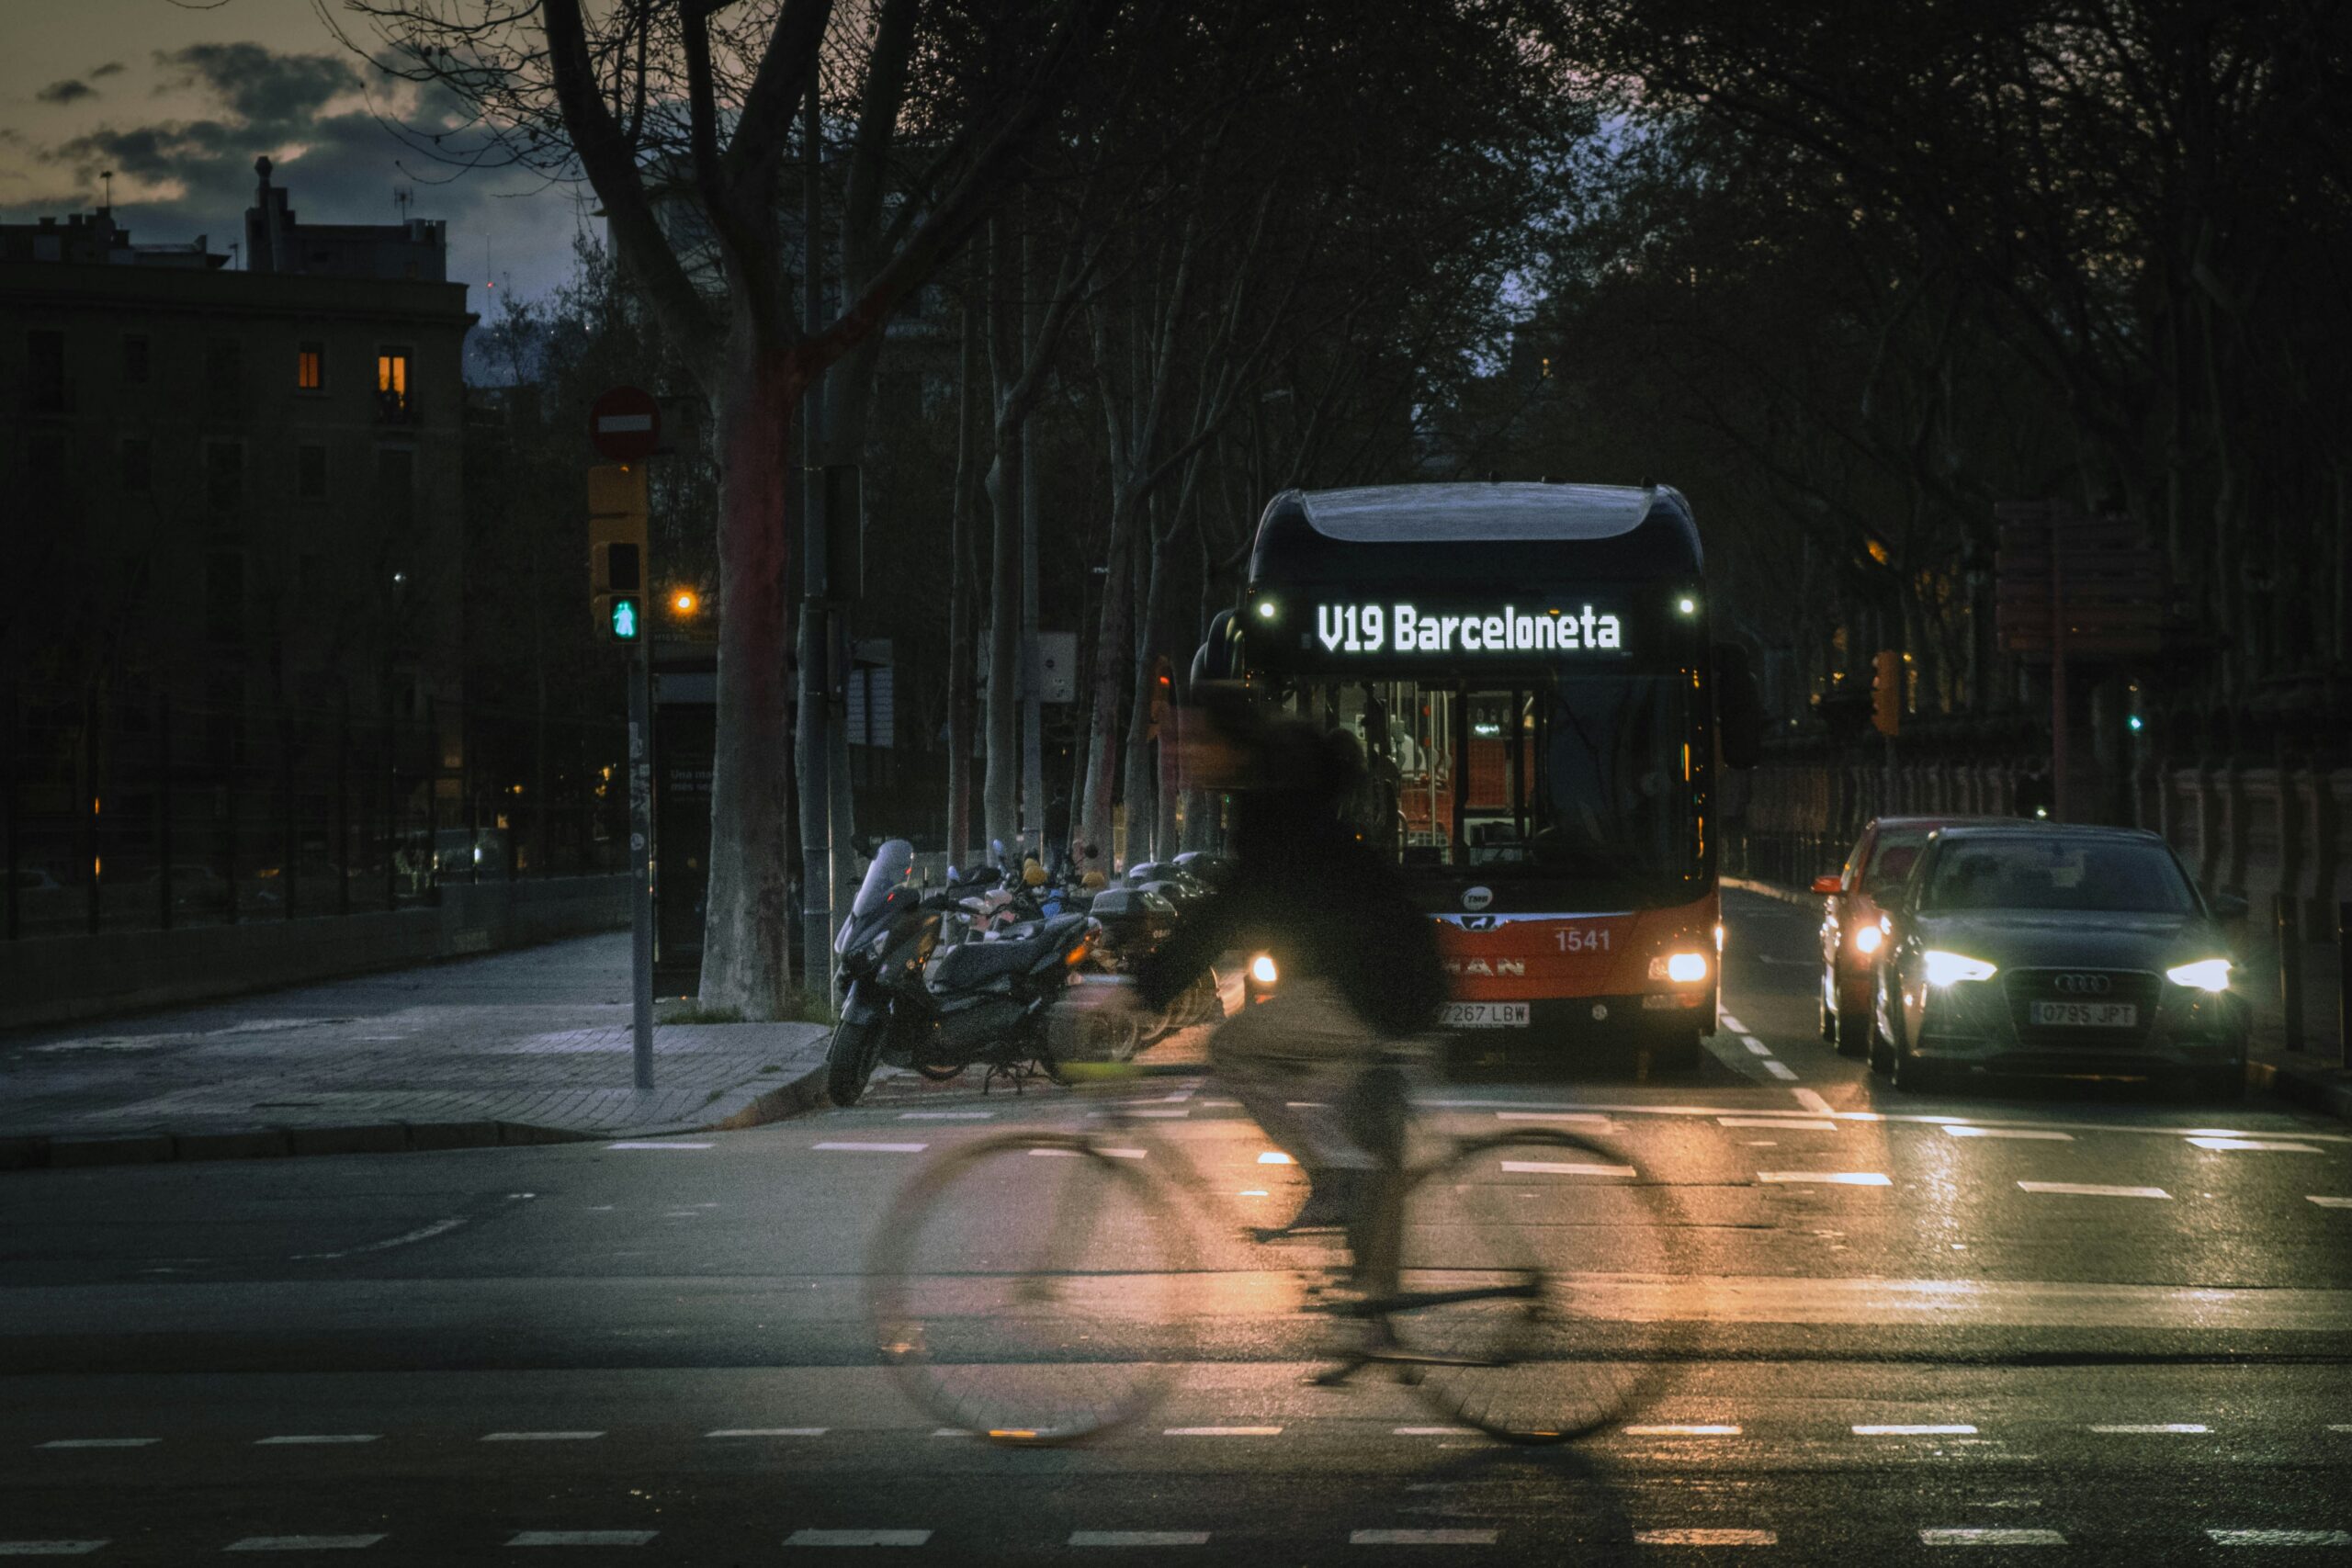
(1583, 939)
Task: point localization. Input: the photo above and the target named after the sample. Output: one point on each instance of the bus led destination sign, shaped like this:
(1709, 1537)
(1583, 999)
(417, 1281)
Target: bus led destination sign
(1402, 628)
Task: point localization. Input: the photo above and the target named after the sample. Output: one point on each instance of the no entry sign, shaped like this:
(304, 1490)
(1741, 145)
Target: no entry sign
(625, 425)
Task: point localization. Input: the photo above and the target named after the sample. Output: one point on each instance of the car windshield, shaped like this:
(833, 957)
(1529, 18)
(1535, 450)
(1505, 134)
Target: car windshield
(2119, 876)
(1892, 858)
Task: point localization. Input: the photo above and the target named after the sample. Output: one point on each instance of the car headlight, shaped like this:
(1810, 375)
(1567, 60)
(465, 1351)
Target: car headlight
(1867, 939)
(1261, 969)
(2205, 975)
(1682, 968)
(1952, 968)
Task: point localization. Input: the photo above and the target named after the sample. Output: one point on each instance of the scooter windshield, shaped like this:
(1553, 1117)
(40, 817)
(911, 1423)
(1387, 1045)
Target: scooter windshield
(893, 863)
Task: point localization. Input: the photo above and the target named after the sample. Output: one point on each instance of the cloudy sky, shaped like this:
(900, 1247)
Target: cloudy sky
(179, 96)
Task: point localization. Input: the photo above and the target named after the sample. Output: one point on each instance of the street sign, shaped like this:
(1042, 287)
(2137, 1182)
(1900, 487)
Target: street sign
(2093, 583)
(625, 425)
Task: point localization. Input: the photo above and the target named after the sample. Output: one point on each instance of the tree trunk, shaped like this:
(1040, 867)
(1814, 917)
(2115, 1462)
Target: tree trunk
(1143, 780)
(960, 606)
(1112, 655)
(1002, 786)
(746, 928)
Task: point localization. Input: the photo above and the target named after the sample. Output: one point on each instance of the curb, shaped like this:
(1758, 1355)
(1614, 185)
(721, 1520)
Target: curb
(2324, 1089)
(1770, 890)
(795, 1097)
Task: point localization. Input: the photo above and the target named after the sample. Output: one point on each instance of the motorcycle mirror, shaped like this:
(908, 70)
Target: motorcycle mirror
(954, 875)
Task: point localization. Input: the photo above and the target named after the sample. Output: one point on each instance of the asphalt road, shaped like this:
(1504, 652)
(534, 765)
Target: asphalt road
(2049, 1318)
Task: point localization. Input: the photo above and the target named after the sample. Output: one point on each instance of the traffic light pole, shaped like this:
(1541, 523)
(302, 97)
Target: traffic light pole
(641, 856)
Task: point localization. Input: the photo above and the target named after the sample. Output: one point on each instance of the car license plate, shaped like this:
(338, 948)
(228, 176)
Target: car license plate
(2088, 1015)
(1485, 1015)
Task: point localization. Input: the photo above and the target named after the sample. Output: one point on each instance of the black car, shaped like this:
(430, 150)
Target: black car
(2057, 950)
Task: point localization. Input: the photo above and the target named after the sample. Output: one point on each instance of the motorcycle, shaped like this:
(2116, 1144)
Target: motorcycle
(909, 1002)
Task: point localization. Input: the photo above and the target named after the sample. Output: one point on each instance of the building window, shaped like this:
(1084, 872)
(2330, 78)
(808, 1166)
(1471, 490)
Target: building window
(224, 367)
(45, 372)
(310, 473)
(134, 361)
(225, 475)
(395, 489)
(138, 465)
(310, 367)
(392, 384)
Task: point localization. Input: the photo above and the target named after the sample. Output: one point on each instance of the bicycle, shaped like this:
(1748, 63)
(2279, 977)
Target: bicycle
(1049, 1316)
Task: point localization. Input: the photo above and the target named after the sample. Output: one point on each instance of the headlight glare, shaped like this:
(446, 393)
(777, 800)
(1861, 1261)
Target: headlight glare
(1685, 968)
(1261, 969)
(1867, 939)
(2205, 975)
(1952, 968)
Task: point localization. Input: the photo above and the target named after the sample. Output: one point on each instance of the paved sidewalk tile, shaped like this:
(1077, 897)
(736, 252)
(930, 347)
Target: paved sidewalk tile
(529, 1045)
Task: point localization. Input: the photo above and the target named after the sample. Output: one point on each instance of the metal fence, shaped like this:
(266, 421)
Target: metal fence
(145, 814)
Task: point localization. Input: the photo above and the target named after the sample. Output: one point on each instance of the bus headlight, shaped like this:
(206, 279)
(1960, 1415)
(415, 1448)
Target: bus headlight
(1682, 968)
(1261, 969)
(2205, 975)
(1952, 968)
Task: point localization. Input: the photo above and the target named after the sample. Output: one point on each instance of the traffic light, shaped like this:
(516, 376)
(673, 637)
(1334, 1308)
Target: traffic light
(617, 524)
(1886, 692)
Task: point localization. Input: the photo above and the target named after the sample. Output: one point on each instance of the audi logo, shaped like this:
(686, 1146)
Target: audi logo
(2084, 984)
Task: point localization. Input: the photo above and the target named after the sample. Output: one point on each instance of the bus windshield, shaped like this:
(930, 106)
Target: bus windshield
(1583, 776)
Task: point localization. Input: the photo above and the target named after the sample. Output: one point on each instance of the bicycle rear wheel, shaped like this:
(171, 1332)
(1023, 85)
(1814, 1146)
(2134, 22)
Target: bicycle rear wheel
(1510, 1314)
(1024, 1288)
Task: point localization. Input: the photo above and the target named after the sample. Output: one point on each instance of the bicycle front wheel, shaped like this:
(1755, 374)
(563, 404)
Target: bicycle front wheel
(1510, 1313)
(1026, 1287)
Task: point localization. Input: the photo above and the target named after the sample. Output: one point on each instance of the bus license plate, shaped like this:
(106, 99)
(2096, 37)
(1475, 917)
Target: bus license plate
(1485, 1015)
(2088, 1015)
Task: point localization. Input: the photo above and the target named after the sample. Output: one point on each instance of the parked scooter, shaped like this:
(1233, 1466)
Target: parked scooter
(908, 1002)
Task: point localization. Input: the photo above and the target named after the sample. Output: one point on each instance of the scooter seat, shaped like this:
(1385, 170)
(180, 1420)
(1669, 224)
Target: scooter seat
(976, 963)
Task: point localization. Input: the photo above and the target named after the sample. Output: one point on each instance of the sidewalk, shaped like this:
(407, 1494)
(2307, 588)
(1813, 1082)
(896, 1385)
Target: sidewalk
(2313, 1076)
(523, 1047)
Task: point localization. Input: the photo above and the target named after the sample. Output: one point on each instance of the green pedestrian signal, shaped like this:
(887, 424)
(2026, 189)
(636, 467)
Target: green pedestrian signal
(625, 618)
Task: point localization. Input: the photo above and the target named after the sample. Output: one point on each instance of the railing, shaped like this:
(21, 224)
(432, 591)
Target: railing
(140, 815)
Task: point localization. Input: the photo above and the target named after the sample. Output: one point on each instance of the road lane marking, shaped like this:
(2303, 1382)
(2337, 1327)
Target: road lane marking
(1961, 1130)
(583, 1538)
(1789, 1123)
(101, 1442)
(49, 1548)
(1990, 1538)
(1834, 1177)
(1564, 1167)
(1584, 1118)
(654, 1144)
(1222, 1432)
(2088, 1189)
(1163, 1115)
(2330, 1202)
(303, 1543)
(1732, 1023)
(946, 1115)
(1138, 1538)
(1779, 1069)
(1724, 1430)
(2280, 1537)
(877, 1148)
(1811, 1098)
(1422, 1538)
(2253, 1146)
(539, 1436)
(2153, 1428)
(768, 1432)
(1073, 1154)
(1815, 1103)
(1927, 1429)
(311, 1438)
(1705, 1538)
(1756, 1046)
(857, 1538)
(1436, 1431)
(406, 1238)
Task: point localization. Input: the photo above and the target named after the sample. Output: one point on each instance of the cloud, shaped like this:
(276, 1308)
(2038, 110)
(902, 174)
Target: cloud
(111, 68)
(65, 92)
(316, 116)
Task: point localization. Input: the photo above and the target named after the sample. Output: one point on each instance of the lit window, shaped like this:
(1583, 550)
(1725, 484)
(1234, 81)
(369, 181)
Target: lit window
(392, 383)
(310, 367)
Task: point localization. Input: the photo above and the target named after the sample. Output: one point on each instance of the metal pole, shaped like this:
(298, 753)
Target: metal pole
(641, 850)
(2287, 919)
(2343, 985)
(93, 861)
(164, 814)
(343, 809)
(291, 833)
(1032, 740)
(2057, 678)
(816, 673)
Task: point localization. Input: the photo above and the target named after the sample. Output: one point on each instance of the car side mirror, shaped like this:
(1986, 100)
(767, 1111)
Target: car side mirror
(1831, 885)
(2227, 906)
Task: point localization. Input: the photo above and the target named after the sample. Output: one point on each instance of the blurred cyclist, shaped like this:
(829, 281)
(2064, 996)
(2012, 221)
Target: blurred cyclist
(1357, 961)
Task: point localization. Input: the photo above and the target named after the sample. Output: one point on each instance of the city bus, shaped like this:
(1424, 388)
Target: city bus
(1545, 718)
